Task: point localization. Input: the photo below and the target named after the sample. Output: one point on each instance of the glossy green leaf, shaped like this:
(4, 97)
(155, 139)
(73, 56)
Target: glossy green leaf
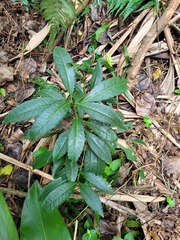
(63, 62)
(71, 170)
(98, 182)
(57, 167)
(103, 131)
(91, 198)
(76, 140)
(100, 112)
(107, 89)
(39, 223)
(42, 159)
(90, 161)
(97, 75)
(59, 195)
(61, 145)
(48, 119)
(7, 227)
(100, 166)
(51, 186)
(115, 164)
(29, 109)
(99, 147)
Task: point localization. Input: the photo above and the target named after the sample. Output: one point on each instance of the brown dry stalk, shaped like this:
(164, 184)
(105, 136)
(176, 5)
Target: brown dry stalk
(155, 30)
(25, 166)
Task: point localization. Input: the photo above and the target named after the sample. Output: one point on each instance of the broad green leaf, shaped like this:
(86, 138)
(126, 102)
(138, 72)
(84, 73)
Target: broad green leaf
(48, 119)
(97, 75)
(57, 167)
(59, 195)
(99, 147)
(60, 147)
(63, 60)
(53, 92)
(29, 109)
(90, 161)
(100, 112)
(103, 131)
(62, 173)
(50, 187)
(39, 223)
(100, 166)
(107, 89)
(129, 236)
(115, 164)
(71, 170)
(42, 159)
(76, 140)
(91, 198)
(7, 227)
(98, 182)
(79, 93)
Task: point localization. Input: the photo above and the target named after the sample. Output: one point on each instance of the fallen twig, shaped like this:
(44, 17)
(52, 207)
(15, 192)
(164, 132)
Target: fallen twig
(155, 30)
(25, 166)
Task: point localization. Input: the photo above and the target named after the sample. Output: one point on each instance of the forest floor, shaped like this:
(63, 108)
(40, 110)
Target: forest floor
(143, 185)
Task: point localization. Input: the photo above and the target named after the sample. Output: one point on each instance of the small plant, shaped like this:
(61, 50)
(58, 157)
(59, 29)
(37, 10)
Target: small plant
(170, 201)
(147, 121)
(86, 141)
(177, 91)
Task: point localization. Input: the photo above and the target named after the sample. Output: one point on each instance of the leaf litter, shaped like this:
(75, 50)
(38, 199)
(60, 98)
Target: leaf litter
(143, 199)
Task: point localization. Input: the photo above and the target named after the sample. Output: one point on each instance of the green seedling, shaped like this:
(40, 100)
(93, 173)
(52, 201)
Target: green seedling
(170, 202)
(177, 91)
(147, 121)
(3, 92)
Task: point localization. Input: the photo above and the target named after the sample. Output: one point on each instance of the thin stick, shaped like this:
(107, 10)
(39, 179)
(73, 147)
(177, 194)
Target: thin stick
(13, 192)
(155, 30)
(25, 166)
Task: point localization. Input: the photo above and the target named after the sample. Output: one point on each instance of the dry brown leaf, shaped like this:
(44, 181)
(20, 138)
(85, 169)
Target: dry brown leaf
(157, 48)
(23, 93)
(26, 68)
(135, 43)
(37, 39)
(6, 75)
(171, 166)
(146, 105)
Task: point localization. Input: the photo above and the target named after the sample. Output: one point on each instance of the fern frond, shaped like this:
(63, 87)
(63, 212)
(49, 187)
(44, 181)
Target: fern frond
(126, 7)
(58, 14)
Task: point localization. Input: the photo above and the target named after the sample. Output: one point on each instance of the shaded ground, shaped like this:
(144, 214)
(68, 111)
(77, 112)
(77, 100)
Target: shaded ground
(152, 94)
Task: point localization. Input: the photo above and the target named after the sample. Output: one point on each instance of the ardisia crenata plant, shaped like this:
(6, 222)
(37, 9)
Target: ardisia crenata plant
(86, 140)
